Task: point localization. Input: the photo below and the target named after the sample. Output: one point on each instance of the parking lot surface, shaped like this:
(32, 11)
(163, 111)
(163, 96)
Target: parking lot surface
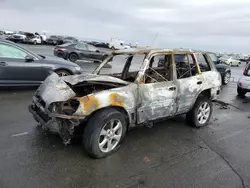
(170, 154)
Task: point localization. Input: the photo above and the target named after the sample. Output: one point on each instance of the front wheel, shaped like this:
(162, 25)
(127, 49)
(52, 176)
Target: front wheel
(201, 112)
(104, 133)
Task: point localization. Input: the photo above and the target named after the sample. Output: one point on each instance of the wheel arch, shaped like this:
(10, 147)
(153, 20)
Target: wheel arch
(118, 108)
(204, 93)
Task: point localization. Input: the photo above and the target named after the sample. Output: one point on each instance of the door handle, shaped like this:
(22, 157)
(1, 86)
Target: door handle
(172, 88)
(2, 64)
(199, 82)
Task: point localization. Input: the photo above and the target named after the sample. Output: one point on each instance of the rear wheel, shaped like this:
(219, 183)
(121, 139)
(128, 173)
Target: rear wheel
(73, 57)
(226, 78)
(62, 73)
(201, 112)
(104, 133)
(241, 92)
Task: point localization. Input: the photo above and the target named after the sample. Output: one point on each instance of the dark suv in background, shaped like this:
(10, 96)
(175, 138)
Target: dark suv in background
(55, 40)
(222, 68)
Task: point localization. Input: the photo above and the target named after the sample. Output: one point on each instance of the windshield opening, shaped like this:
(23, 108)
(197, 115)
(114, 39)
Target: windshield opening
(124, 66)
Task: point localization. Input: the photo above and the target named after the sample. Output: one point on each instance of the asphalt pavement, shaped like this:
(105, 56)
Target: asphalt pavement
(170, 154)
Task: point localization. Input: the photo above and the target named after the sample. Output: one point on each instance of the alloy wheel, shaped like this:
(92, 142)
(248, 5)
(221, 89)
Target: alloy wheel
(110, 135)
(203, 113)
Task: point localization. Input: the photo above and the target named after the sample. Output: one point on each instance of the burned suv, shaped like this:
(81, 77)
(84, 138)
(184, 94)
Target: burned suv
(143, 86)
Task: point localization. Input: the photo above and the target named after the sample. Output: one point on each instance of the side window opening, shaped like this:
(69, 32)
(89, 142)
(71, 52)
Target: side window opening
(159, 69)
(203, 62)
(185, 66)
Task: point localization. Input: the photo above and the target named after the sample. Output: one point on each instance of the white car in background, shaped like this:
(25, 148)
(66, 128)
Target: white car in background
(117, 44)
(243, 85)
(32, 38)
(230, 61)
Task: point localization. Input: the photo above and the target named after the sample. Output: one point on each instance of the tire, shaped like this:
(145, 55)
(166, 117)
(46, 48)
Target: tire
(226, 78)
(73, 57)
(92, 133)
(104, 57)
(241, 92)
(231, 64)
(62, 73)
(97, 62)
(192, 116)
(35, 42)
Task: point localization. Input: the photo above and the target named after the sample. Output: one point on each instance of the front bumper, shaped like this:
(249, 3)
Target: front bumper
(16, 39)
(59, 125)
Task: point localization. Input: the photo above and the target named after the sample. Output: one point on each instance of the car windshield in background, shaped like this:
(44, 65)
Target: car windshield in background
(213, 57)
(133, 64)
(29, 34)
(92, 48)
(66, 45)
(69, 38)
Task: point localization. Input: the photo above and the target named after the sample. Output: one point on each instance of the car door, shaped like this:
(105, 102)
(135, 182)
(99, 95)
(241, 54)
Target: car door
(82, 51)
(94, 53)
(16, 68)
(157, 95)
(189, 81)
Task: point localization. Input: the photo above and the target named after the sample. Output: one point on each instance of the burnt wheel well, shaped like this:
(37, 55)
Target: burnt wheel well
(205, 93)
(118, 108)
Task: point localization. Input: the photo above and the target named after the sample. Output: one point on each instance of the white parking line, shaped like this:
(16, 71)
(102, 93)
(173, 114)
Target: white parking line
(19, 134)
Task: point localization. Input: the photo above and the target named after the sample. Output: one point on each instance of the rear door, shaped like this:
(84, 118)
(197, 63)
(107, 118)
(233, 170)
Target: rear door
(14, 69)
(94, 53)
(82, 51)
(189, 81)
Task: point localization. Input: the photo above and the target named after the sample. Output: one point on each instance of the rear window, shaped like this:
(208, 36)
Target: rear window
(247, 70)
(65, 45)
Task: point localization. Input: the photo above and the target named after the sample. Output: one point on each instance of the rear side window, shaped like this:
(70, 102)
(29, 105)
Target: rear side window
(185, 66)
(247, 70)
(203, 63)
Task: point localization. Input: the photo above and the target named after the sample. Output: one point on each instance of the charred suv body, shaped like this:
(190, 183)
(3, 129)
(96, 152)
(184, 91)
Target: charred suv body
(152, 84)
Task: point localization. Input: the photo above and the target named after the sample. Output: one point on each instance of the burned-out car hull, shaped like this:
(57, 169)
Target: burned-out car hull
(109, 104)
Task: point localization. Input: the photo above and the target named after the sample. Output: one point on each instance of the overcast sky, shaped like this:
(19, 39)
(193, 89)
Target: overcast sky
(216, 25)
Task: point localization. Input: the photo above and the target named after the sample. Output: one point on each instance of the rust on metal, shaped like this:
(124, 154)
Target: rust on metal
(116, 100)
(90, 103)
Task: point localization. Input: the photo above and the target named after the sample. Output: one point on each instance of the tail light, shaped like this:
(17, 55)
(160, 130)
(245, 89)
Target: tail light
(61, 49)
